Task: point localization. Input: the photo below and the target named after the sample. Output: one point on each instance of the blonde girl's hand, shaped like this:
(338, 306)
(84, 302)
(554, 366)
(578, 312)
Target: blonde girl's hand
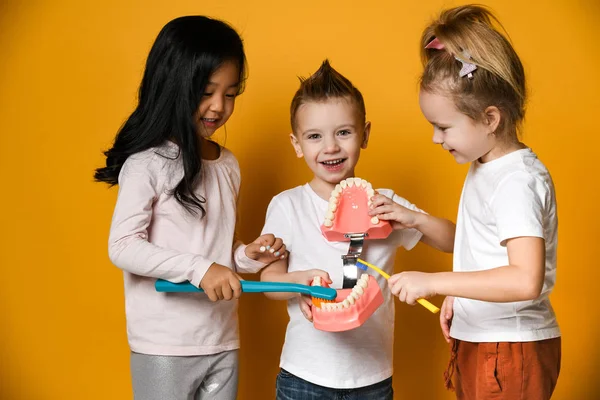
(221, 283)
(446, 315)
(386, 209)
(266, 248)
(411, 286)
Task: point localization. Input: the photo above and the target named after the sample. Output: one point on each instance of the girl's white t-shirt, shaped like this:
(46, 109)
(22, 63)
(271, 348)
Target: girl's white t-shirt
(512, 196)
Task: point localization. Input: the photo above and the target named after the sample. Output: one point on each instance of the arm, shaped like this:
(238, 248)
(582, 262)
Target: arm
(277, 272)
(129, 248)
(522, 279)
(437, 232)
(253, 257)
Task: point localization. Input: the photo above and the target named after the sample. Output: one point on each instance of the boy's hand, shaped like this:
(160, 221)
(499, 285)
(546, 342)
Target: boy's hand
(305, 303)
(306, 278)
(221, 283)
(266, 248)
(446, 315)
(411, 286)
(386, 209)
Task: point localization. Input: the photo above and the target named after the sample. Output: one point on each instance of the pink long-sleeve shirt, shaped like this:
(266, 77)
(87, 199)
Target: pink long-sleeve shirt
(152, 236)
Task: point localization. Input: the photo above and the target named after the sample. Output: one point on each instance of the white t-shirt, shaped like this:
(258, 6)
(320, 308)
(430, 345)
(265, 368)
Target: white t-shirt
(512, 196)
(345, 360)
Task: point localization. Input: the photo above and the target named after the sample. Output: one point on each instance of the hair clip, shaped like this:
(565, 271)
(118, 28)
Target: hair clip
(467, 67)
(435, 44)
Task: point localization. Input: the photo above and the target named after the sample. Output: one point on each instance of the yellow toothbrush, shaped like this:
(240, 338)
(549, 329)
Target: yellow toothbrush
(363, 265)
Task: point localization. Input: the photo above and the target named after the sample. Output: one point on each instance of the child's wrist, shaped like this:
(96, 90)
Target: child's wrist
(420, 220)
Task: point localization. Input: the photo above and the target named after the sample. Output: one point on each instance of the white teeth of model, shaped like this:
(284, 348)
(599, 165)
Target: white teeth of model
(333, 199)
(338, 188)
(369, 185)
(357, 182)
(358, 290)
(332, 207)
(350, 299)
(329, 215)
(343, 184)
(374, 220)
(370, 192)
(328, 223)
(354, 295)
(363, 183)
(345, 303)
(316, 281)
(350, 182)
(361, 283)
(364, 277)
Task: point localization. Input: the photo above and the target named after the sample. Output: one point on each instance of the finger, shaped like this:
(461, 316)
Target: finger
(212, 296)
(394, 278)
(402, 295)
(277, 243)
(236, 287)
(227, 291)
(282, 252)
(380, 210)
(219, 292)
(379, 199)
(307, 312)
(319, 272)
(265, 241)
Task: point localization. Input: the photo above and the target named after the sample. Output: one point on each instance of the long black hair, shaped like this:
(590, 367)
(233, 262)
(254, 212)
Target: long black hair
(183, 57)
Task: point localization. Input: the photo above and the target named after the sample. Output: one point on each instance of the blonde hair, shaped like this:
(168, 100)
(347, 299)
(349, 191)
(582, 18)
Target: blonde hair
(499, 79)
(326, 83)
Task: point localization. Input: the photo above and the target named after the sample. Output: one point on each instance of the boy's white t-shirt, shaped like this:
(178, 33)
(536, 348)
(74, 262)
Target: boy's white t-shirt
(512, 196)
(351, 359)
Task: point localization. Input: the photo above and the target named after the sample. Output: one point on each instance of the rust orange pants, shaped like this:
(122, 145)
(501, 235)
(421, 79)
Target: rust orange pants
(506, 371)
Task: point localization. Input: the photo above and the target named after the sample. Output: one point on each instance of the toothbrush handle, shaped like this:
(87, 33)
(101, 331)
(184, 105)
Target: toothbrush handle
(422, 302)
(428, 305)
(247, 287)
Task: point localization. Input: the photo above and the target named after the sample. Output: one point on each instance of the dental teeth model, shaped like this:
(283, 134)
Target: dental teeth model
(348, 212)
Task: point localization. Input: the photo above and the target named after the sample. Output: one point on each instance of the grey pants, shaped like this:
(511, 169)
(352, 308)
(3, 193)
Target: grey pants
(211, 377)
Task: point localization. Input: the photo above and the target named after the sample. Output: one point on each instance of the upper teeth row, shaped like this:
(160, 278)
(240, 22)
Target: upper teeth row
(337, 192)
(357, 291)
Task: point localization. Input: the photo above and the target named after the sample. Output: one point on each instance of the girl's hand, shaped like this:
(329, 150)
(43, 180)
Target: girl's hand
(385, 208)
(411, 286)
(266, 248)
(221, 283)
(446, 315)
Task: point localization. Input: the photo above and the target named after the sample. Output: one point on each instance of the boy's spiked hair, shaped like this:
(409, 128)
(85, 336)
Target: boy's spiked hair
(323, 85)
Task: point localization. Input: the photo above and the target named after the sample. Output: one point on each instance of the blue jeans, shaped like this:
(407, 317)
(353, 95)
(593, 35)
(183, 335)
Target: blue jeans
(290, 387)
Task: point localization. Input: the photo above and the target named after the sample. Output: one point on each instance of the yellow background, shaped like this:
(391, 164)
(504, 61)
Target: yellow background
(69, 71)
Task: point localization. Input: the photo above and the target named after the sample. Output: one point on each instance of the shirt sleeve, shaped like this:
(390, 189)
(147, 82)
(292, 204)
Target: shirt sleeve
(242, 262)
(128, 245)
(408, 237)
(518, 207)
